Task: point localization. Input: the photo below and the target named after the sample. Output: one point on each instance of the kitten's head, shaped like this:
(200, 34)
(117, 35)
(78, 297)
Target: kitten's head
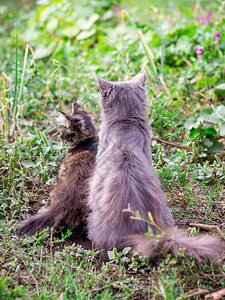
(121, 100)
(76, 127)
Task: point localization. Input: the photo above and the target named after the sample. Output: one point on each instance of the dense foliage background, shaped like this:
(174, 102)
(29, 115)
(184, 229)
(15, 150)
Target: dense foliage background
(50, 53)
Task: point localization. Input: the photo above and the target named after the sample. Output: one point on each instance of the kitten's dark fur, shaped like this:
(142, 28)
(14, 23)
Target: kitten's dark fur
(69, 197)
(124, 176)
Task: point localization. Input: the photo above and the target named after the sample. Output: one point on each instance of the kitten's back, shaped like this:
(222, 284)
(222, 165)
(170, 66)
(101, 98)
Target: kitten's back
(69, 197)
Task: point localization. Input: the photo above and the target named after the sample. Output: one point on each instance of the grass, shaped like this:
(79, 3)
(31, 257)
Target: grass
(67, 49)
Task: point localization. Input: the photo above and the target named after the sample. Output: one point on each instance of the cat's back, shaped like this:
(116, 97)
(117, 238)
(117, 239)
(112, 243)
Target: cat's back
(78, 165)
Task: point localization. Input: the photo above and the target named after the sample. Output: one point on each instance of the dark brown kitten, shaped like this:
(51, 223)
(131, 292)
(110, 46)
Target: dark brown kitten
(69, 197)
(124, 177)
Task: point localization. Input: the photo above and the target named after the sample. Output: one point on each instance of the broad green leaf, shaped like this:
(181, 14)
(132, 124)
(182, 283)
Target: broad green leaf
(10, 151)
(184, 44)
(85, 34)
(126, 250)
(110, 254)
(52, 181)
(126, 259)
(217, 147)
(220, 110)
(70, 31)
(205, 113)
(43, 51)
(52, 25)
(84, 24)
(209, 116)
(194, 133)
(45, 13)
(207, 142)
(190, 123)
(222, 130)
(205, 81)
(108, 15)
(209, 131)
(188, 30)
(46, 150)
(220, 89)
(199, 178)
(28, 164)
(52, 164)
(211, 137)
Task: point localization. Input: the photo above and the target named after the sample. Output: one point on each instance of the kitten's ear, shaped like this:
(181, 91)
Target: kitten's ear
(141, 78)
(67, 120)
(75, 107)
(102, 83)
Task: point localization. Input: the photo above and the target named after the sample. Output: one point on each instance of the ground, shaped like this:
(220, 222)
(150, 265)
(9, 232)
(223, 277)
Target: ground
(48, 60)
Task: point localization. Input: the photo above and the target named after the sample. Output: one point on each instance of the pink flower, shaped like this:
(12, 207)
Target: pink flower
(224, 70)
(218, 35)
(187, 62)
(201, 19)
(197, 48)
(208, 15)
(201, 8)
(107, 62)
(117, 10)
(198, 51)
(206, 20)
(169, 20)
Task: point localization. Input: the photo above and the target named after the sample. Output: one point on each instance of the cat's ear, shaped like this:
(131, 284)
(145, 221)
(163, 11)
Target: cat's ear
(75, 107)
(103, 84)
(140, 78)
(67, 119)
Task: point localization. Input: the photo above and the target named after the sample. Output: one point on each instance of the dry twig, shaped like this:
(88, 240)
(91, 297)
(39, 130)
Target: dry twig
(193, 293)
(171, 144)
(212, 228)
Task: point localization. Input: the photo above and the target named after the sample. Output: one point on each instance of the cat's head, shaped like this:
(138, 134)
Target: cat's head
(123, 99)
(76, 127)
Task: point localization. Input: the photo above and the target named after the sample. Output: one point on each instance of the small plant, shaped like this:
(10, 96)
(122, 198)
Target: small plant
(202, 134)
(11, 97)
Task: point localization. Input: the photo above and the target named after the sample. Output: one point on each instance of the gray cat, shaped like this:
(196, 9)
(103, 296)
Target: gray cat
(124, 177)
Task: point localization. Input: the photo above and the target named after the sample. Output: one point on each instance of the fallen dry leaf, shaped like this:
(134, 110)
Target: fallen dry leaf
(216, 295)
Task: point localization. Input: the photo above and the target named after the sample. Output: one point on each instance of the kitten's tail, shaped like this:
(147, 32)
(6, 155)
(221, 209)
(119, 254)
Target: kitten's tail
(175, 241)
(49, 216)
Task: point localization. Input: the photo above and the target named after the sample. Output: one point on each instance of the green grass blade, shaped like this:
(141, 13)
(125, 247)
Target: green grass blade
(147, 54)
(23, 75)
(121, 55)
(16, 73)
(162, 58)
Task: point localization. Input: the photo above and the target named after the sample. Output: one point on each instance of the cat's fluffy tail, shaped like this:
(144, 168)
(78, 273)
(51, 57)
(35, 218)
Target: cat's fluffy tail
(175, 241)
(47, 217)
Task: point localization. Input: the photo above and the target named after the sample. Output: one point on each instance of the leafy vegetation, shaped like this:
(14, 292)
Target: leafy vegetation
(48, 60)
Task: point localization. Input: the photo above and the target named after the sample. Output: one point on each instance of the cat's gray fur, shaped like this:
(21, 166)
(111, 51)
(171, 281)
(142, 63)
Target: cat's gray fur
(124, 176)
